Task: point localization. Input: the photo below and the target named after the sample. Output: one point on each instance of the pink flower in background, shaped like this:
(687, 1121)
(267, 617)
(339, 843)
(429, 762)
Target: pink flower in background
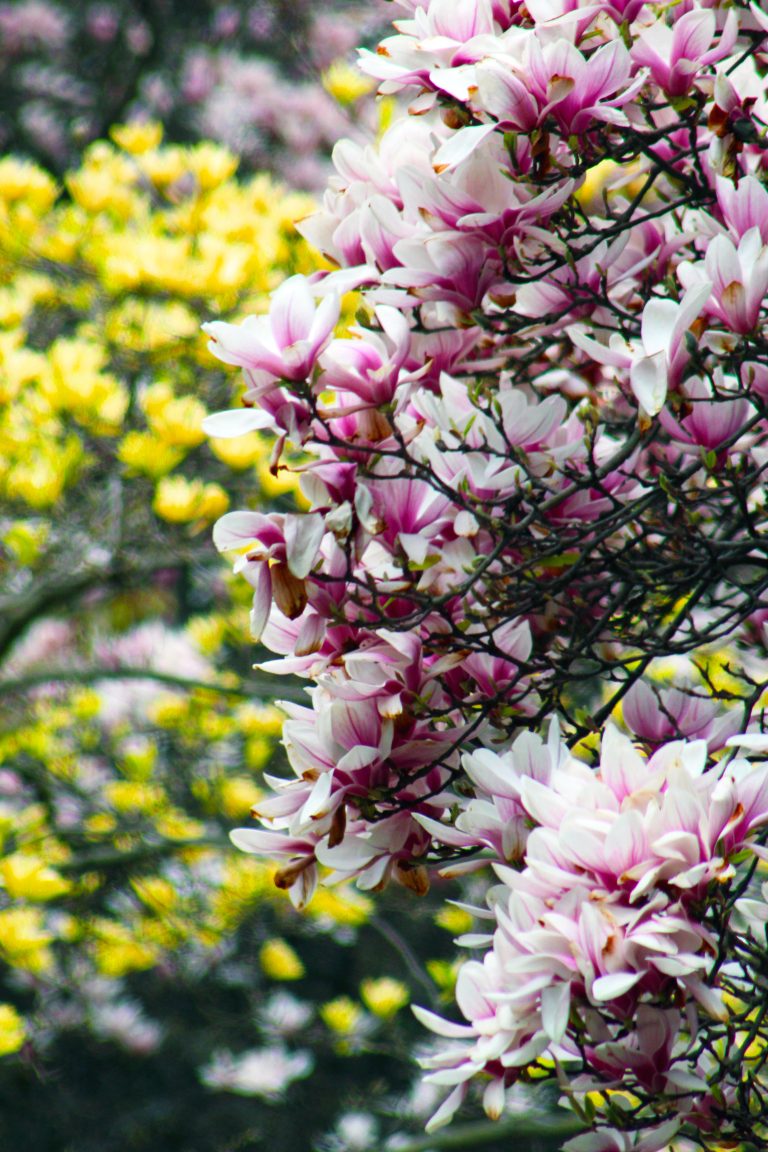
(658, 714)
(710, 420)
(32, 24)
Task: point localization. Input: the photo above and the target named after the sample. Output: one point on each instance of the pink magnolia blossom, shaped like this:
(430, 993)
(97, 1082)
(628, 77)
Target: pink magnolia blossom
(658, 360)
(544, 430)
(744, 206)
(710, 420)
(603, 913)
(287, 342)
(659, 714)
(276, 554)
(676, 55)
(739, 279)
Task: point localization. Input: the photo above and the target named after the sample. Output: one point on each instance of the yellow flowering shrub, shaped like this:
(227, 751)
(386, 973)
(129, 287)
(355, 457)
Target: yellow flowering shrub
(131, 739)
(102, 283)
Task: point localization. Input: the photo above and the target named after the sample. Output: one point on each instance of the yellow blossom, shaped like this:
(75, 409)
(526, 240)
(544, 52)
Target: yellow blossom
(384, 997)
(163, 166)
(39, 482)
(260, 719)
(239, 452)
(177, 420)
(279, 961)
(444, 974)
(145, 454)
(180, 501)
(454, 920)
(100, 824)
(84, 704)
(237, 795)
(343, 906)
(138, 762)
(211, 164)
(156, 893)
(12, 1030)
(341, 1015)
(20, 180)
(25, 540)
(284, 483)
(133, 796)
(207, 632)
(346, 84)
(104, 182)
(257, 753)
(137, 137)
(76, 383)
(30, 878)
(175, 825)
(117, 951)
(168, 711)
(24, 939)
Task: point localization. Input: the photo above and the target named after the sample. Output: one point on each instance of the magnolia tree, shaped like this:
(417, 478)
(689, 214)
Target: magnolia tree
(529, 595)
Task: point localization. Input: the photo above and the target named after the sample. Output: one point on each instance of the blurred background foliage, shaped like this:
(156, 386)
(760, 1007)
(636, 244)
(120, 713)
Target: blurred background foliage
(156, 990)
(269, 78)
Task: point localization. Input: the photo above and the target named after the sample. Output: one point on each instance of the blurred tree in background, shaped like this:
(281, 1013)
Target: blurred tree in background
(244, 73)
(156, 989)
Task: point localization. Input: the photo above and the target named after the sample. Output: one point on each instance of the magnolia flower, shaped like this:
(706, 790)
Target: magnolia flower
(744, 206)
(658, 714)
(657, 361)
(276, 554)
(605, 912)
(258, 1072)
(676, 55)
(738, 277)
(287, 342)
(710, 419)
(371, 365)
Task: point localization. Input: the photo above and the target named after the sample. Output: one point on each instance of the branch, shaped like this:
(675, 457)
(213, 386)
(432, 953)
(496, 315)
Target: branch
(19, 610)
(406, 953)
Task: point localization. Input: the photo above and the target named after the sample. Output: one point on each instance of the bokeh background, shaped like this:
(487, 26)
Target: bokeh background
(157, 992)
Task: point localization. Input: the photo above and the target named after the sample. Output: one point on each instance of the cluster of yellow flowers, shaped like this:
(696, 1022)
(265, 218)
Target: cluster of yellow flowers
(105, 380)
(102, 283)
(133, 810)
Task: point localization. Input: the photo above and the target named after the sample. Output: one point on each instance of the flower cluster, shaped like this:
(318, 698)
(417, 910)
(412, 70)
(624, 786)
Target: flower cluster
(616, 915)
(139, 235)
(535, 468)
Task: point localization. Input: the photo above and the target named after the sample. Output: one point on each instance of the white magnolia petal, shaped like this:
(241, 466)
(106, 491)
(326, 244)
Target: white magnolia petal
(446, 1110)
(237, 529)
(555, 1007)
(460, 146)
(615, 985)
(303, 534)
(755, 741)
(236, 422)
(648, 377)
